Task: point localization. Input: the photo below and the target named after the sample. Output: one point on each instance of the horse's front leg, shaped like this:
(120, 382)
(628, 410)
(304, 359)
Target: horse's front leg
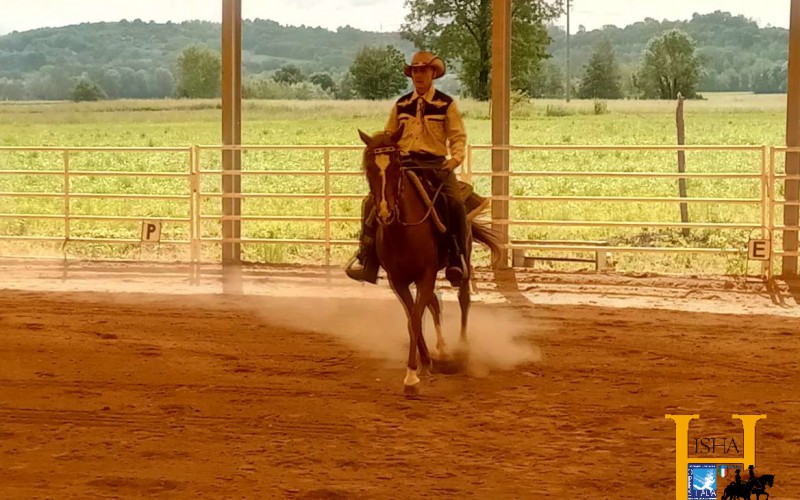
(426, 298)
(411, 382)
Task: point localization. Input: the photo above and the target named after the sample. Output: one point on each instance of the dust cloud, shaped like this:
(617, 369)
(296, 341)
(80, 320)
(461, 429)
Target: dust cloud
(378, 328)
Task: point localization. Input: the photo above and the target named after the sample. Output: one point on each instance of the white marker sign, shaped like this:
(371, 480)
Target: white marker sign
(151, 231)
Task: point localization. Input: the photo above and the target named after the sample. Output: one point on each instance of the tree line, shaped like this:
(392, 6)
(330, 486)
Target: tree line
(736, 54)
(113, 60)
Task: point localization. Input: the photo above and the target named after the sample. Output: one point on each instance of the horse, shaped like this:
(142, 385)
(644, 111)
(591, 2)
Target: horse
(765, 480)
(734, 490)
(408, 246)
(744, 490)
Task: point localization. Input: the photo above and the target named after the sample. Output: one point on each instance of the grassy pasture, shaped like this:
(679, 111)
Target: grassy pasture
(722, 119)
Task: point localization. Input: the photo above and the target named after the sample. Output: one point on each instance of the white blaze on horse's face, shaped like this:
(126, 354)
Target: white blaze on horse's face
(383, 163)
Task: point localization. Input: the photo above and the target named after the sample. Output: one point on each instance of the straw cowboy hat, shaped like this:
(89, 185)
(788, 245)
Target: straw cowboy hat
(422, 59)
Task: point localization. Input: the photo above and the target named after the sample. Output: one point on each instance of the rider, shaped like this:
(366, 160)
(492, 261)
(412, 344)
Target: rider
(753, 479)
(432, 125)
(738, 478)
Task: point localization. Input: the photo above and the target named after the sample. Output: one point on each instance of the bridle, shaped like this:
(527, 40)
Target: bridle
(393, 154)
(383, 158)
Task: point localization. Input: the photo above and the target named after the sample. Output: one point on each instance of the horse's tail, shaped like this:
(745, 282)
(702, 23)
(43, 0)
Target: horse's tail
(486, 235)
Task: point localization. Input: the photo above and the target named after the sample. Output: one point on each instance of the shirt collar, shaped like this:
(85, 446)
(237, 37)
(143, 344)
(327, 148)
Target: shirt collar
(428, 95)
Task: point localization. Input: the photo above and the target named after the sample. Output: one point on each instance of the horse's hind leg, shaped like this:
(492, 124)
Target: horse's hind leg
(464, 298)
(464, 301)
(435, 307)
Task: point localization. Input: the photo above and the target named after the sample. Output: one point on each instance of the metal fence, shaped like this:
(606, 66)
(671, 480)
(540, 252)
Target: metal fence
(59, 164)
(779, 178)
(325, 172)
(756, 170)
(193, 180)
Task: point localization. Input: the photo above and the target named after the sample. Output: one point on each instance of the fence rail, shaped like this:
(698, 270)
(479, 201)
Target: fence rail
(198, 182)
(788, 249)
(69, 194)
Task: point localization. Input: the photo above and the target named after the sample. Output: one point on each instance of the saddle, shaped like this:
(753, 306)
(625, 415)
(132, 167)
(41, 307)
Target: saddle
(475, 203)
(427, 189)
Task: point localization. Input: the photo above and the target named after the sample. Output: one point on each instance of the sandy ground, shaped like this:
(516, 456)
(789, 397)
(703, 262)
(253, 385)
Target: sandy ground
(121, 381)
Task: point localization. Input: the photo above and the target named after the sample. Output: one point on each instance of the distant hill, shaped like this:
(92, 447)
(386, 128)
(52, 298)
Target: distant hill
(134, 59)
(138, 45)
(123, 57)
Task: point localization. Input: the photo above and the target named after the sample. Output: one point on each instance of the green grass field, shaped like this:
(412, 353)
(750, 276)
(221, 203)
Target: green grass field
(722, 119)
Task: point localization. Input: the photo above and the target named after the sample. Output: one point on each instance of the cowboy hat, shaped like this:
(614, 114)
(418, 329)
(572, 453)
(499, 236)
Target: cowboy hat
(422, 59)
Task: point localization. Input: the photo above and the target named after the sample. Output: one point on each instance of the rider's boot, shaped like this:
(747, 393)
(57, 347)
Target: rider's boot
(364, 265)
(457, 270)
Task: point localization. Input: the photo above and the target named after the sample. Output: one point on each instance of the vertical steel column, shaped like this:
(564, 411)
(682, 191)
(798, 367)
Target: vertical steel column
(501, 118)
(231, 126)
(790, 212)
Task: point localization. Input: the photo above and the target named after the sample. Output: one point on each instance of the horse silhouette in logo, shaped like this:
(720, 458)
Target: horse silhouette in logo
(753, 486)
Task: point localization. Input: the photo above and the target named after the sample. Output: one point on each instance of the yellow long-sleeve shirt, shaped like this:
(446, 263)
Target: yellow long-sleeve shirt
(440, 128)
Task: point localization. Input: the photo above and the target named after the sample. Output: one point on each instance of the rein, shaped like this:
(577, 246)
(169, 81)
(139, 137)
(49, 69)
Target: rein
(432, 203)
(392, 151)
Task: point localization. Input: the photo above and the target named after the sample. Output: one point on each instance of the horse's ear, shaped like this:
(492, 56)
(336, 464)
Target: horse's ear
(364, 137)
(397, 134)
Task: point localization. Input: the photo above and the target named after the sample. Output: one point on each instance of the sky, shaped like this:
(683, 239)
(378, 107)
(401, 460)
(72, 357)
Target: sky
(368, 15)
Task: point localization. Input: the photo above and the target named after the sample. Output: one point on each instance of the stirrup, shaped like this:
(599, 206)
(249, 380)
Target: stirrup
(456, 274)
(358, 271)
(354, 268)
(354, 264)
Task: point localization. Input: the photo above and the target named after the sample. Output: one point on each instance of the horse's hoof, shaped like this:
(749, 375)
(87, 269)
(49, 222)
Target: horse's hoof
(449, 365)
(411, 390)
(455, 276)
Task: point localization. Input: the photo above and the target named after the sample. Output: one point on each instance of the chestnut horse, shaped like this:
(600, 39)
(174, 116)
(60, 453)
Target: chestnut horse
(408, 246)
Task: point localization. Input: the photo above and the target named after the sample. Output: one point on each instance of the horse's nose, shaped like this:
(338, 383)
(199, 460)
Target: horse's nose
(384, 214)
(385, 218)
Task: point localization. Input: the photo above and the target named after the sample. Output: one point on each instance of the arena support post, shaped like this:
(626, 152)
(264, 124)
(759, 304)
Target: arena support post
(231, 128)
(792, 192)
(501, 120)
